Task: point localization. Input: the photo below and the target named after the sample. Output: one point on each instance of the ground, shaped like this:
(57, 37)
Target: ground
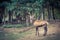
(15, 34)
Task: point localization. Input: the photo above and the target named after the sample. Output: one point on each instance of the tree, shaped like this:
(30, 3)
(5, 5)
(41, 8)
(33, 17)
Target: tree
(1, 13)
(3, 6)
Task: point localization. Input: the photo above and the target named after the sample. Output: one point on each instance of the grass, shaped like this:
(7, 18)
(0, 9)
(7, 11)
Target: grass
(28, 34)
(10, 36)
(2, 36)
(13, 36)
(14, 25)
(7, 35)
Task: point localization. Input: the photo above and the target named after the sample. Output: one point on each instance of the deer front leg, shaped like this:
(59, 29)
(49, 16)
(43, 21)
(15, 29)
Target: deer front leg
(45, 30)
(37, 32)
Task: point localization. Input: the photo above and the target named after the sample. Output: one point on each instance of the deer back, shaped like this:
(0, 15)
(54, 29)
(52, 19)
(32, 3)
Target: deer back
(40, 22)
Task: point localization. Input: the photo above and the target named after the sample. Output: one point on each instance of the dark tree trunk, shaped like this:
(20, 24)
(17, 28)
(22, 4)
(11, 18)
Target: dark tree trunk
(53, 13)
(4, 15)
(43, 13)
(1, 18)
(1, 14)
(36, 15)
(10, 16)
(40, 14)
(49, 14)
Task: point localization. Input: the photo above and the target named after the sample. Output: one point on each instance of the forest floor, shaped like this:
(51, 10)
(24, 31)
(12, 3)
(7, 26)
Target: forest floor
(16, 34)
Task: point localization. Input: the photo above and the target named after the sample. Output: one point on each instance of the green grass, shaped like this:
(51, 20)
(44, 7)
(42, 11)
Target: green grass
(13, 36)
(10, 36)
(2, 35)
(14, 25)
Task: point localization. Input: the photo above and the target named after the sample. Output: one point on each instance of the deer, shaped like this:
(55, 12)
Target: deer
(40, 23)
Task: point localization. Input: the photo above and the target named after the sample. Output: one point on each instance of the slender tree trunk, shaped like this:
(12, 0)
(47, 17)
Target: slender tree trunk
(53, 13)
(40, 14)
(1, 14)
(36, 15)
(10, 17)
(4, 15)
(43, 14)
(4, 18)
(49, 14)
(27, 21)
(39, 17)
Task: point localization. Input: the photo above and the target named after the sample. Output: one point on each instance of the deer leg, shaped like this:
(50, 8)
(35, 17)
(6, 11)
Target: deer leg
(37, 32)
(45, 30)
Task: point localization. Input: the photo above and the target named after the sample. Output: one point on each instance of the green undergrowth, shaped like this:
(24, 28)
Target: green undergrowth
(14, 25)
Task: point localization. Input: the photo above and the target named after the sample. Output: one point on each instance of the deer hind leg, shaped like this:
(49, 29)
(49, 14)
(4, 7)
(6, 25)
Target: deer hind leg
(45, 30)
(37, 31)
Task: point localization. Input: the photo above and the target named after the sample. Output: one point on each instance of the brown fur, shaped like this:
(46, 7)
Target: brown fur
(40, 23)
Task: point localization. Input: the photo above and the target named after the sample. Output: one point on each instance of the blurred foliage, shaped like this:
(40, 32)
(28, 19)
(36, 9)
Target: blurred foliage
(33, 6)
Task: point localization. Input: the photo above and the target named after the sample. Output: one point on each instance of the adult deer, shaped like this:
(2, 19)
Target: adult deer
(41, 23)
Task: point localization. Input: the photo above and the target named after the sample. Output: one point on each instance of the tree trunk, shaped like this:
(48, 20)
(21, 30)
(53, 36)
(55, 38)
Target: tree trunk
(39, 16)
(1, 14)
(1, 19)
(53, 13)
(4, 15)
(27, 21)
(36, 15)
(49, 14)
(10, 17)
(43, 13)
